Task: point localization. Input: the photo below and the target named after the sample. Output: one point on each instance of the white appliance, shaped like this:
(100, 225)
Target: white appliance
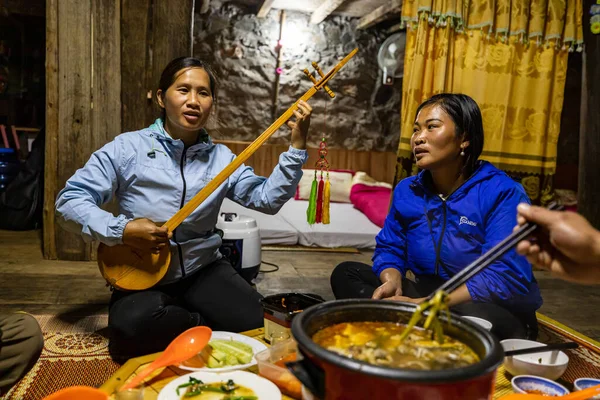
(241, 243)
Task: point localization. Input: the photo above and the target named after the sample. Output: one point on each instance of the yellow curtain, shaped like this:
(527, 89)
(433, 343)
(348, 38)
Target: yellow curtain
(511, 57)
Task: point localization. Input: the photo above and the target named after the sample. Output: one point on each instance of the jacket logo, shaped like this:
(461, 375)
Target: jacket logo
(465, 220)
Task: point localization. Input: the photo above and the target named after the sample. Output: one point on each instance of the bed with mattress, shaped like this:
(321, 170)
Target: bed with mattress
(348, 228)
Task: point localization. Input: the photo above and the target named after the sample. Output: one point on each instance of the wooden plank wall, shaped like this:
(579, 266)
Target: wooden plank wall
(153, 33)
(83, 102)
(379, 165)
(103, 56)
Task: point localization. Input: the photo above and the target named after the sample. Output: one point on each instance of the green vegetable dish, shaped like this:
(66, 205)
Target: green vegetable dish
(196, 389)
(221, 353)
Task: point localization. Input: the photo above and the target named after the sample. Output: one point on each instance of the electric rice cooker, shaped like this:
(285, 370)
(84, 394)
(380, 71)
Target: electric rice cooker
(241, 243)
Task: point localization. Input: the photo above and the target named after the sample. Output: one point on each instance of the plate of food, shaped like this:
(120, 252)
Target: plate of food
(203, 385)
(226, 351)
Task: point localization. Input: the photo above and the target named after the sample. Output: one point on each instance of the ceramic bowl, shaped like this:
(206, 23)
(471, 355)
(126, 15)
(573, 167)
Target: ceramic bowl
(584, 383)
(536, 385)
(549, 364)
(484, 323)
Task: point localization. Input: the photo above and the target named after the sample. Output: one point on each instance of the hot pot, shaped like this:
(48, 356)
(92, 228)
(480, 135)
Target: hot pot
(329, 376)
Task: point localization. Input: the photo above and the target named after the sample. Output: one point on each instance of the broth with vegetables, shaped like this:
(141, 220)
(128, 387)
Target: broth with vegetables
(380, 343)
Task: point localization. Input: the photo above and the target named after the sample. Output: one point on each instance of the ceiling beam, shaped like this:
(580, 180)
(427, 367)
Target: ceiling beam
(326, 8)
(380, 14)
(265, 8)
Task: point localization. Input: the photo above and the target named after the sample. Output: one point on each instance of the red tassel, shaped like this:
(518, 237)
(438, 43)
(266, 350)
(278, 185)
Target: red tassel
(320, 201)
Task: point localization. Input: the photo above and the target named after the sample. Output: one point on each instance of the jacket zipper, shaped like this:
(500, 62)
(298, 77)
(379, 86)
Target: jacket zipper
(439, 246)
(179, 251)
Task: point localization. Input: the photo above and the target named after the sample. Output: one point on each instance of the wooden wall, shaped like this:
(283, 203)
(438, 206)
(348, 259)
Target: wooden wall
(103, 59)
(379, 165)
(82, 88)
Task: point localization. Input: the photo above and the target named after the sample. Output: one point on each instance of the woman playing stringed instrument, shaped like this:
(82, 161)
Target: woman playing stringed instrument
(152, 173)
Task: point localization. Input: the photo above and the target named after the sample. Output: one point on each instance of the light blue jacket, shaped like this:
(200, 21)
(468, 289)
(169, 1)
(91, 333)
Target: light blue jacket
(152, 176)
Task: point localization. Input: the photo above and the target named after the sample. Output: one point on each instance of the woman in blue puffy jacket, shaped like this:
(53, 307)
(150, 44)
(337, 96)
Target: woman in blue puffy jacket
(441, 220)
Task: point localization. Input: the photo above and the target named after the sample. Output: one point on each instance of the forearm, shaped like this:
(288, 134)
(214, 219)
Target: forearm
(459, 296)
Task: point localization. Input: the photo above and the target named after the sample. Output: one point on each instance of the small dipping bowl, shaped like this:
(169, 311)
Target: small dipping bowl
(529, 384)
(549, 364)
(584, 383)
(484, 323)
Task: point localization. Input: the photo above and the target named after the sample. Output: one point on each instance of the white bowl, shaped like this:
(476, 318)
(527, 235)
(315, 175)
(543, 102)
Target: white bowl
(484, 323)
(549, 364)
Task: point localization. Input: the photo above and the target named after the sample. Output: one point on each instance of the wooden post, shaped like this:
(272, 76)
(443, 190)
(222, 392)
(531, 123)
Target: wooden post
(589, 137)
(50, 168)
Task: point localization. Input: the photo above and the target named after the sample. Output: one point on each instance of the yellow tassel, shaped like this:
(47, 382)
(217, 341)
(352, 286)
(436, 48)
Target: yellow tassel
(326, 194)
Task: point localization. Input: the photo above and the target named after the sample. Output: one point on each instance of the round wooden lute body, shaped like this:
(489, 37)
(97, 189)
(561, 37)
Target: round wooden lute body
(126, 268)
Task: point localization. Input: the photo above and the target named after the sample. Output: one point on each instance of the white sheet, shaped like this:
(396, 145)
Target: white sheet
(273, 228)
(348, 228)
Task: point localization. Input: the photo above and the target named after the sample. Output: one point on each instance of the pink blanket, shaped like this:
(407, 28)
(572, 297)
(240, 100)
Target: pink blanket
(370, 197)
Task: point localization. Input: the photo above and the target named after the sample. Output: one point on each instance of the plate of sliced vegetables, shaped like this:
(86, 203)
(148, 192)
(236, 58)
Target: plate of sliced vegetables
(202, 385)
(226, 351)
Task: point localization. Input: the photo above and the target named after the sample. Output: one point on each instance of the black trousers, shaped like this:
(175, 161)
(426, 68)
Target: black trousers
(352, 280)
(145, 322)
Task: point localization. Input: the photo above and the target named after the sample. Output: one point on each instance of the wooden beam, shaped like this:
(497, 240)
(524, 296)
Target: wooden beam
(380, 14)
(265, 8)
(589, 136)
(326, 8)
(51, 157)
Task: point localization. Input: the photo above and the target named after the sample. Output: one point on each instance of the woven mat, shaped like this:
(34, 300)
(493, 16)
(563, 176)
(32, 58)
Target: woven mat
(584, 362)
(75, 353)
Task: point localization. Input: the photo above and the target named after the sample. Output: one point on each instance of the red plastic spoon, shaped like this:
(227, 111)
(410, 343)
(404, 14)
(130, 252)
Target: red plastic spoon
(183, 347)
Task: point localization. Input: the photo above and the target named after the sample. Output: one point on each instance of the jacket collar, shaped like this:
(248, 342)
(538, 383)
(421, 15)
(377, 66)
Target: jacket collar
(483, 171)
(158, 130)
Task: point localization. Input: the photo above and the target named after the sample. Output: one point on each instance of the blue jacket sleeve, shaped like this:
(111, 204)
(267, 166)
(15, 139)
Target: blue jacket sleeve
(78, 204)
(390, 251)
(510, 280)
(268, 195)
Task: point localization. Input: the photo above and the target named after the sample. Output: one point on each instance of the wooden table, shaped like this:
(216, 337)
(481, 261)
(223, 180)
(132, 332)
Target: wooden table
(162, 377)
(159, 379)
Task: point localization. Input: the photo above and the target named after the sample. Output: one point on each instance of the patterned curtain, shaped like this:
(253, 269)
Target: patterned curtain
(511, 57)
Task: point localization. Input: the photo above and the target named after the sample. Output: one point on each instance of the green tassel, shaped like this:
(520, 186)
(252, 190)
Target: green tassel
(311, 213)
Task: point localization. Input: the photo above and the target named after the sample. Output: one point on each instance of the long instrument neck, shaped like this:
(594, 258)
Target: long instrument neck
(203, 194)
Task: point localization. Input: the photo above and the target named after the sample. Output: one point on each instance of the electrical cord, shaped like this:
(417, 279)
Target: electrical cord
(269, 270)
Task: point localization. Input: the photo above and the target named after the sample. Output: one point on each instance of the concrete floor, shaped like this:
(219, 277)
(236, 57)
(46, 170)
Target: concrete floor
(30, 283)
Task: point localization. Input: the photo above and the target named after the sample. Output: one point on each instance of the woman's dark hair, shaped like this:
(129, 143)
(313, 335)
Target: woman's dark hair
(169, 74)
(466, 115)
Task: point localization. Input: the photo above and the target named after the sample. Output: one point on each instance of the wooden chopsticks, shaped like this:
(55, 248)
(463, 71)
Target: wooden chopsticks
(490, 256)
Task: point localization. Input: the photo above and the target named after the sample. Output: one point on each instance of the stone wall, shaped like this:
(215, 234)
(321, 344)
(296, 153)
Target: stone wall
(365, 115)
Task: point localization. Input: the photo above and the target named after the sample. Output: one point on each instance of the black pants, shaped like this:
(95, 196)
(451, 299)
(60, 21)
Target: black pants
(356, 280)
(147, 321)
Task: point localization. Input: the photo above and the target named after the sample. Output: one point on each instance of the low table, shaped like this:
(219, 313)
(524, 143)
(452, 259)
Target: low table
(162, 377)
(585, 361)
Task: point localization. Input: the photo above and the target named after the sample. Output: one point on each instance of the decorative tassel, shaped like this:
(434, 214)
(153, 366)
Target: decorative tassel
(319, 215)
(311, 212)
(326, 194)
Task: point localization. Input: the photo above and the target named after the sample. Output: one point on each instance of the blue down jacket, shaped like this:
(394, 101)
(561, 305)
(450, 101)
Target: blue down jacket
(431, 236)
